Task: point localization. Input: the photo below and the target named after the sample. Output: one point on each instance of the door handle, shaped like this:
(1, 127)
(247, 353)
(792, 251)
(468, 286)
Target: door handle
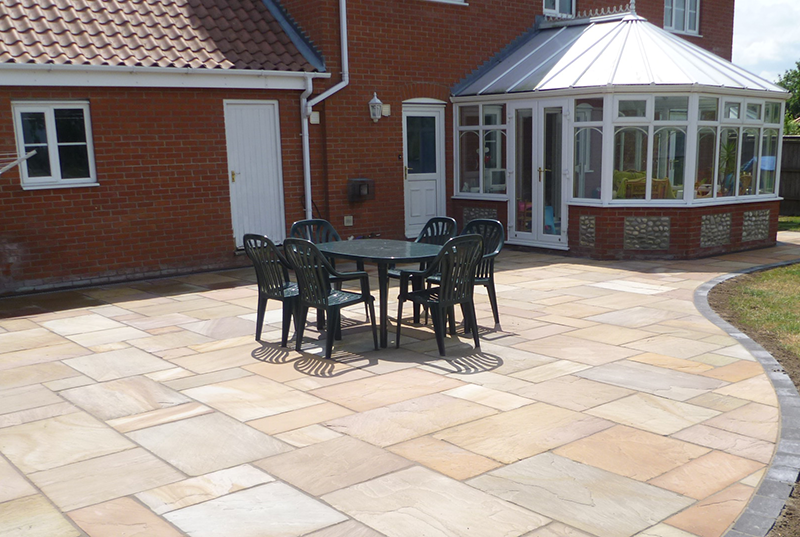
(406, 169)
(233, 176)
(541, 171)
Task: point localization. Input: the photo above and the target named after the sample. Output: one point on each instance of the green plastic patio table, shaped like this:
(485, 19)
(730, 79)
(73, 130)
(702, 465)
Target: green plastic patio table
(383, 252)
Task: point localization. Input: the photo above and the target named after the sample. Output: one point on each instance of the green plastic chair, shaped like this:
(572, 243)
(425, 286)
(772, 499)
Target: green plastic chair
(315, 277)
(455, 265)
(272, 275)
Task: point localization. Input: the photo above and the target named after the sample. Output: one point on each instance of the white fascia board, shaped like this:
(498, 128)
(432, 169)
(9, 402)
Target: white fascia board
(150, 77)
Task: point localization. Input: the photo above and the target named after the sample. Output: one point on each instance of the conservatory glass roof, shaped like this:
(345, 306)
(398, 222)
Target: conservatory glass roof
(616, 50)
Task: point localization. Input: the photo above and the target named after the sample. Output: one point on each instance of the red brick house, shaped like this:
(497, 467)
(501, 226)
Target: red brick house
(171, 128)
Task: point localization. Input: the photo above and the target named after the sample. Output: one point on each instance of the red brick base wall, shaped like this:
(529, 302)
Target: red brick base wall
(685, 227)
(463, 209)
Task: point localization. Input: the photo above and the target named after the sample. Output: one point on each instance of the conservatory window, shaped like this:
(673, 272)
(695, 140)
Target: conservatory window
(671, 109)
(749, 163)
(753, 112)
(482, 149)
(682, 16)
(772, 112)
(732, 110)
(706, 151)
(728, 158)
(632, 108)
(708, 109)
(669, 156)
(559, 7)
(630, 163)
(588, 148)
(769, 160)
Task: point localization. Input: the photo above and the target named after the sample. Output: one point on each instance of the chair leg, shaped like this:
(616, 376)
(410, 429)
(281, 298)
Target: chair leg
(465, 315)
(333, 323)
(451, 312)
(320, 319)
(416, 285)
(288, 313)
(371, 307)
(301, 325)
(473, 321)
(399, 322)
(439, 326)
(493, 300)
(262, 307)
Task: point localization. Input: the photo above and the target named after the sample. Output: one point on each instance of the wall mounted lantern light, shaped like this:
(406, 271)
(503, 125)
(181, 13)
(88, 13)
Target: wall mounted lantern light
(375, 108)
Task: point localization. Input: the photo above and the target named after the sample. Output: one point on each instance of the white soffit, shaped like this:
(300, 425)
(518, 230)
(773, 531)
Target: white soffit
(609, 51)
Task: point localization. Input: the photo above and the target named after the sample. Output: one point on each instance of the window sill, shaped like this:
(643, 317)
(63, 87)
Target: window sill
(52, 186)
(683, 32)
(480, 196)
(456, 2)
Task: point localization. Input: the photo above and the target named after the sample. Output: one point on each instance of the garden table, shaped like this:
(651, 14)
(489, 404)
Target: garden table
(383, 252)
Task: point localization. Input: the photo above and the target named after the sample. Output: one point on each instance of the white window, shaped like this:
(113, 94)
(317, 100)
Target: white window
(559, 7)
(682, 16)
(60, 133)
(482, 149)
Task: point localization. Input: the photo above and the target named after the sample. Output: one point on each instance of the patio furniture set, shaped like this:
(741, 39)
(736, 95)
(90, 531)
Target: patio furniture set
(449, 266)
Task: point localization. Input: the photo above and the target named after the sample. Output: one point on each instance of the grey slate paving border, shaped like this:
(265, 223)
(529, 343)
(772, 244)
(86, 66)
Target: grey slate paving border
(764, 508)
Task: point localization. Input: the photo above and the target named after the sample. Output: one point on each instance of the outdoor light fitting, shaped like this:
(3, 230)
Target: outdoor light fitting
(375, 108)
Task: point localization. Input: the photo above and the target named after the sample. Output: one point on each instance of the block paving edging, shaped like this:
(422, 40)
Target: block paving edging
(766, 505)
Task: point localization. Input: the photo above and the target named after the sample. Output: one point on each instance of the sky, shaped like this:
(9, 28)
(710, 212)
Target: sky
(766, 36)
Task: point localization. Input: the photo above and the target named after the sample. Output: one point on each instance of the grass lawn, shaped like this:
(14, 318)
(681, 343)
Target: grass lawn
(766, 307)
(769, 303)
(789, 223)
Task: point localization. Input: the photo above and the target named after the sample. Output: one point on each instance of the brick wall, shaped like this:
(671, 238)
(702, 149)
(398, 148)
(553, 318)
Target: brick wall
(162, 205)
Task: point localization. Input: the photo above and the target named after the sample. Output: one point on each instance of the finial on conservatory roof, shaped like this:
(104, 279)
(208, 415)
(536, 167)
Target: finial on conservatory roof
(632, 6)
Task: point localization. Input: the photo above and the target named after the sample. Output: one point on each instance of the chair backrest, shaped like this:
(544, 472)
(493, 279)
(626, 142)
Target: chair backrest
(312, 271)
(457, 262)
(315, 230)
(494, 237)
(271, 268)
(438, 230)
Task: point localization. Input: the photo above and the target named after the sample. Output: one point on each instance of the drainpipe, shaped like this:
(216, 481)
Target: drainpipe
(306, 149)
(306, 106)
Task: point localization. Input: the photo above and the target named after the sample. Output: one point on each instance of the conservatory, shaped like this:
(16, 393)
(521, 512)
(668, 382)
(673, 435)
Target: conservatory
(613, 138)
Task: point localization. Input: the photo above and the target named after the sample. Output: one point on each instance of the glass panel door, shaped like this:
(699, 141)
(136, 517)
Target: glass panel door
(537, 155)
(550, 172)
(523, 191)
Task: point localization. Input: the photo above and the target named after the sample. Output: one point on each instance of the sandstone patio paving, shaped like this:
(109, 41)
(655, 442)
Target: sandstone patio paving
(582, 496)
(418, 501)
(603, 405)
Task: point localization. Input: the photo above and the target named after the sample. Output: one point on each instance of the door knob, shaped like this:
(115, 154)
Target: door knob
(233, 176)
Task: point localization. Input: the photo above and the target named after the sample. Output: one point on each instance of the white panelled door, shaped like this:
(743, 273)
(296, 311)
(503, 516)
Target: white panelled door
(423, 158)
(252, 131)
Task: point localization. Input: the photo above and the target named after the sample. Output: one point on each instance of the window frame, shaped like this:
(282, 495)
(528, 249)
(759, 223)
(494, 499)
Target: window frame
(687, 18)
(556, 12)
(55, 179)
(481, 129)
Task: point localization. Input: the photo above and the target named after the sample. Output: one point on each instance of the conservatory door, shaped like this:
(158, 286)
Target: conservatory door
(538, 211)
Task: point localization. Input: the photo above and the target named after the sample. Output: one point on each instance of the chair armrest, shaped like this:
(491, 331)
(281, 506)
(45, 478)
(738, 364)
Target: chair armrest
(349, 276)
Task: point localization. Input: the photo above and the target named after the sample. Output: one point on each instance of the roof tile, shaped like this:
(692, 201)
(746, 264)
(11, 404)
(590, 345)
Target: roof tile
(205, 34)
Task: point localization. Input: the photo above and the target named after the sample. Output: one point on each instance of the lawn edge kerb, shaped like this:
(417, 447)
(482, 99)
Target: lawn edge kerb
(766, 505)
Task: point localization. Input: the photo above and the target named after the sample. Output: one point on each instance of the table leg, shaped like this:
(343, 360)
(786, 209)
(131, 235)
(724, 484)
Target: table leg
(383, 297)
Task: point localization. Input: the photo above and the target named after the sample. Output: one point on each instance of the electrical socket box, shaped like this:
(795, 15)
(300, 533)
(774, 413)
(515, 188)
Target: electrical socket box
(348, 220)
